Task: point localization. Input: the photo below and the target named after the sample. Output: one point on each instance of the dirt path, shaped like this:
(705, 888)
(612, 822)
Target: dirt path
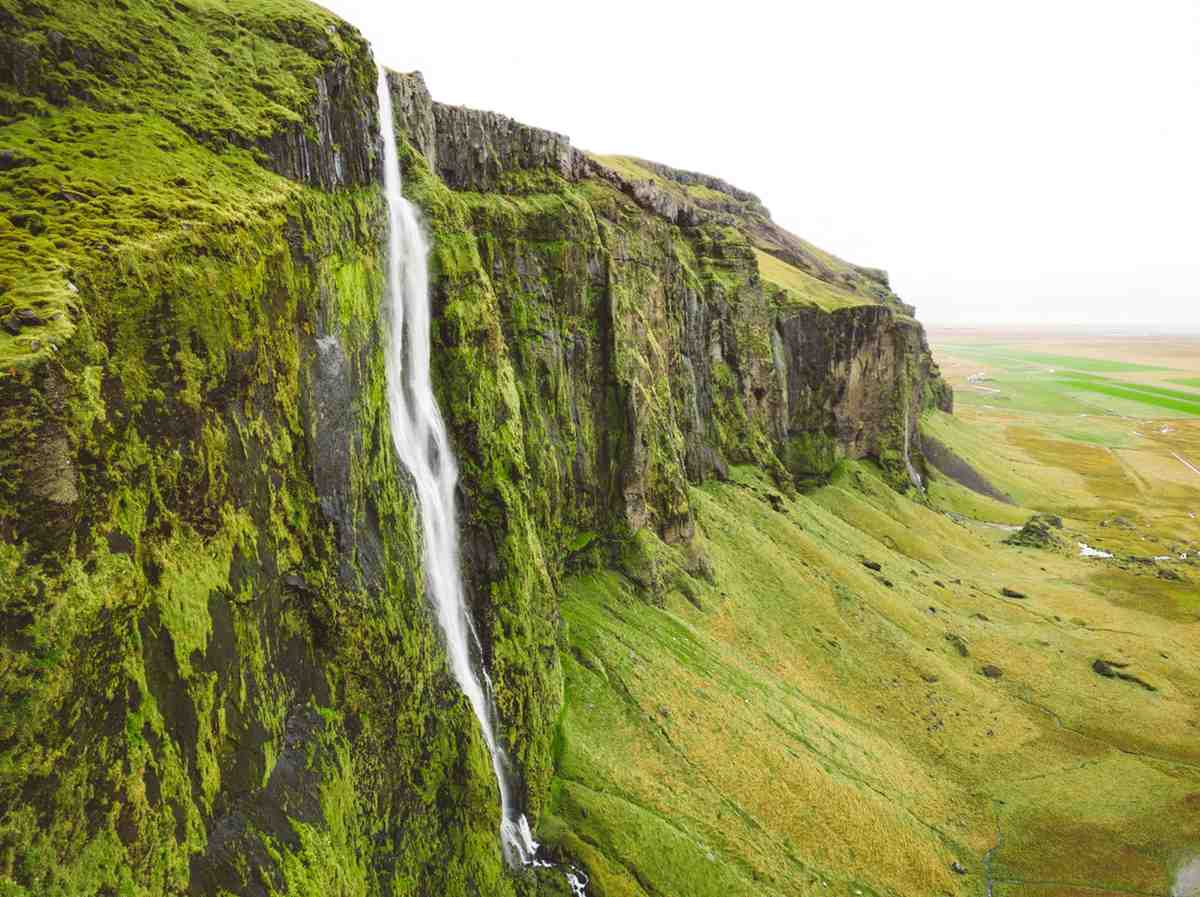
(1186, 463)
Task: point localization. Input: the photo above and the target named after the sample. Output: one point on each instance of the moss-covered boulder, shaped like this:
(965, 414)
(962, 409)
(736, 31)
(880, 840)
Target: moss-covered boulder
(1038, 532)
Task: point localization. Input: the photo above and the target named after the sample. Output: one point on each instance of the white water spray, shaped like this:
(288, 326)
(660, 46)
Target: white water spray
(419, 435)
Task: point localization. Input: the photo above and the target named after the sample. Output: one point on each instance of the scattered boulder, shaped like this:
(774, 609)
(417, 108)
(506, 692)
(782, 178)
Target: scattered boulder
(1112, 669)
(958, 643)
(31, 221)
(873, 565)
(68, 196)
(1038, 532)
(293, 582)
(991, 671)
(958, 868)
(1012, 593)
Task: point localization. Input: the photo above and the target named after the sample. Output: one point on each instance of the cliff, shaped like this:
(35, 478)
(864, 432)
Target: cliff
(658, 326)
(219, 673)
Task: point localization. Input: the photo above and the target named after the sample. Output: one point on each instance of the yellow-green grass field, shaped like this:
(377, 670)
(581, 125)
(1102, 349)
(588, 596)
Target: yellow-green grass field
(783, 720)
(802, 288)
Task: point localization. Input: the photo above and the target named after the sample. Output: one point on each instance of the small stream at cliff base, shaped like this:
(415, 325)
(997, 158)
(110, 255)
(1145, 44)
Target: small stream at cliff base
(421, 441)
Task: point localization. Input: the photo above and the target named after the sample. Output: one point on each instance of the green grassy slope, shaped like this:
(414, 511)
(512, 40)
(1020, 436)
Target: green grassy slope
(797, 724)
(801, 288)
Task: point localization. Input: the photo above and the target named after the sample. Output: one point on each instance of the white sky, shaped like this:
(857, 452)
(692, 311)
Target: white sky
(1011, 161)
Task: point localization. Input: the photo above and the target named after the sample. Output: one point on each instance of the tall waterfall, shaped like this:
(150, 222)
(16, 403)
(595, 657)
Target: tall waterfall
(419, 435)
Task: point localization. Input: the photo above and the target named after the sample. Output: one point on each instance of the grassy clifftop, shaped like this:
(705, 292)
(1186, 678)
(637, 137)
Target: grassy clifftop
(799, 272)
(130, 126)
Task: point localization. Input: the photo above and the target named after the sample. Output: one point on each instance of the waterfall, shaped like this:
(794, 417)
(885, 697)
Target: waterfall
(420, 438)
(912, 471)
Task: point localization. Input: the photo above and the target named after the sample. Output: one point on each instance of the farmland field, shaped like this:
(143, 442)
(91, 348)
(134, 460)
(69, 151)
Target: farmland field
(1093, 426)
(1012, 371)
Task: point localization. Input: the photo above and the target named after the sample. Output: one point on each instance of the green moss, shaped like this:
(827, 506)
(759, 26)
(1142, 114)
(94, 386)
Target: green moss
(811, 458)
(208, 77)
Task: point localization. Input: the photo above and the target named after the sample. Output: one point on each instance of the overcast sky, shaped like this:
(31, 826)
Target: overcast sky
(1007, 162)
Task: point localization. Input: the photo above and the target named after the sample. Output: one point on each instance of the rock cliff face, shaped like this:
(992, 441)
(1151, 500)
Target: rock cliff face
(641, 306)
(219, 673)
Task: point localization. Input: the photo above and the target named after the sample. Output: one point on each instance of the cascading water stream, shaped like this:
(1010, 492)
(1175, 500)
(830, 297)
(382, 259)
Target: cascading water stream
(420, 439)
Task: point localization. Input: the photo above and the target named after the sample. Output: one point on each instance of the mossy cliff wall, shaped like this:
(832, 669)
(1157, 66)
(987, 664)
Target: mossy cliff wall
(217, 669)
(643, 346)
(219, 673)
(602, 340)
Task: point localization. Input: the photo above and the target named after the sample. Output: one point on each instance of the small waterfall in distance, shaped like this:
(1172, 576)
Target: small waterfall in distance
(420, 439)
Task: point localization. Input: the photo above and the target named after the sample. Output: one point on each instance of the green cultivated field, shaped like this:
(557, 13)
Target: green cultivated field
(1166, 399)
(1001, 354)
(1066, 385)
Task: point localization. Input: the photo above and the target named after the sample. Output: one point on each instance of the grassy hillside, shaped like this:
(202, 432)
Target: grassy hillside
(796, 723)
(799, 287)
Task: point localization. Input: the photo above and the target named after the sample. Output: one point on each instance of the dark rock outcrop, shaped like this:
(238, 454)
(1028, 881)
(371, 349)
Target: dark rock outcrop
(336, 144)
(857, 381)
(1112, 669)
(471, 149)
